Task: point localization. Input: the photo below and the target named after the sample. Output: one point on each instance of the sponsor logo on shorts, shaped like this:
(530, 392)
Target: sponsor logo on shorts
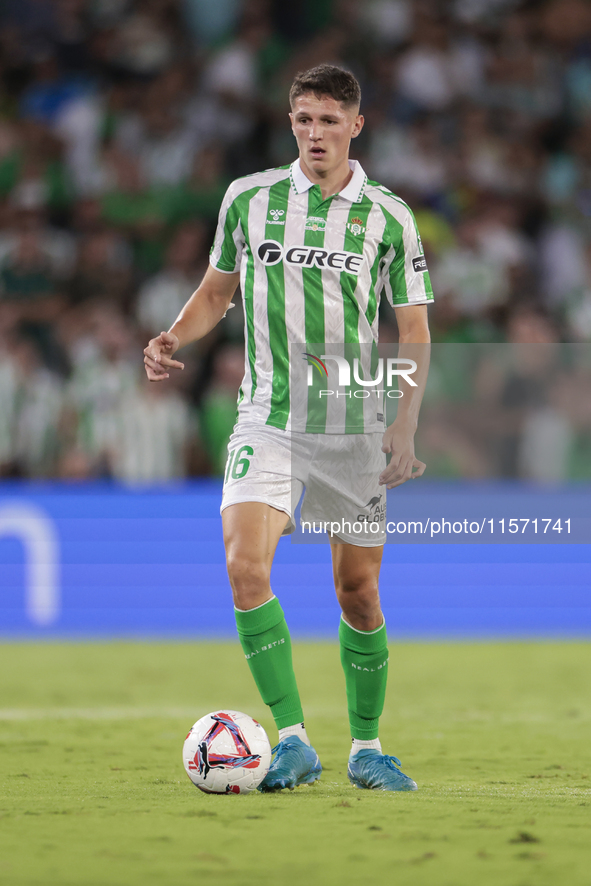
(419, 263)
(377, 510)
(271, 252)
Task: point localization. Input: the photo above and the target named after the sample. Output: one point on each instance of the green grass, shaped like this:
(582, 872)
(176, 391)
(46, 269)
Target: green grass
(93, 792)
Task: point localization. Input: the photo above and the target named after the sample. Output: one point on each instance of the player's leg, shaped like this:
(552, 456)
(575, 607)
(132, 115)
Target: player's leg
(251, 533)
(362, 635)
(364, 656)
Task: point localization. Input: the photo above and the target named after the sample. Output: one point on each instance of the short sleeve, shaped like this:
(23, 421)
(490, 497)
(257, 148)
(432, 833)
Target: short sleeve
(226, 252)
(404, 272)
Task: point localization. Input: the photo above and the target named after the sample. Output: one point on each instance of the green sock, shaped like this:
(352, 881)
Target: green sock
(265, 639)
(364, 656)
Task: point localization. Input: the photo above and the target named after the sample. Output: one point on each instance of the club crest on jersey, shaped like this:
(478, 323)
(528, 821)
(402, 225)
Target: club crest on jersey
(356, 226)
(276, 216)
(314, 223)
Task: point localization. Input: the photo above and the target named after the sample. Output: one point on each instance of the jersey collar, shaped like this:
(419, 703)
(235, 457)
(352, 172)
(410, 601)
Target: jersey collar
(353, 192)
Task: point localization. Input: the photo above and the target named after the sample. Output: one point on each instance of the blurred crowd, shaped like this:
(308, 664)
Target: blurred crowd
(506, 411)
(123, 121)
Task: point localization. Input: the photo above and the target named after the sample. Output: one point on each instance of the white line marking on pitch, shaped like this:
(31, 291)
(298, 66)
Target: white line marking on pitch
(115, 713)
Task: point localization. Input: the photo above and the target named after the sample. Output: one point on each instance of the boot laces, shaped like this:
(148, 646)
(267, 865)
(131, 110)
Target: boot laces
(390, 761)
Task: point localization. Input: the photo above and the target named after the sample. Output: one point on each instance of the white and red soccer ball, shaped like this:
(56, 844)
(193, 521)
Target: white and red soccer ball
(227, 752)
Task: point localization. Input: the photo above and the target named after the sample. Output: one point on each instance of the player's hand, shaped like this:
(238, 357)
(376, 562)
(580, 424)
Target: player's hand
(399, 441)
(158, 356)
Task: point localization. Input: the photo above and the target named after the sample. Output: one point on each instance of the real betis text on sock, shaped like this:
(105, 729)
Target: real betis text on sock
(265, 639)
(364, 656)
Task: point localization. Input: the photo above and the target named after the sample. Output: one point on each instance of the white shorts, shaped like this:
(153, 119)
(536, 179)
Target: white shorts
(338, 471)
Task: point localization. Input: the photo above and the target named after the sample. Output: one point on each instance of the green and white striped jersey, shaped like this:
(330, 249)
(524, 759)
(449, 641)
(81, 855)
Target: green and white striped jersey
(313, 271)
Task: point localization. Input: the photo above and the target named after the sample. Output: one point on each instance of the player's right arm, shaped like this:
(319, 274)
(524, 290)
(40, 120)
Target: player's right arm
(203, 311)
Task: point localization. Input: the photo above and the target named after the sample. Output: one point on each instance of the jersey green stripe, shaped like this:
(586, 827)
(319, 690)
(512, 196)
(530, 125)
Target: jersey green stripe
(248, 300)
(372, 302)
(399, 289)
(426, 277)
(314, 305)
(227, 258)
(312, 277)
(353, 242)
(279, 410)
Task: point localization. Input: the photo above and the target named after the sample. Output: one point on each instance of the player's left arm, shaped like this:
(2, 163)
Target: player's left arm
(398, 440)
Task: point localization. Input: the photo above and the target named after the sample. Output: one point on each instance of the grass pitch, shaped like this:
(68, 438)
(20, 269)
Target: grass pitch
(498, 737)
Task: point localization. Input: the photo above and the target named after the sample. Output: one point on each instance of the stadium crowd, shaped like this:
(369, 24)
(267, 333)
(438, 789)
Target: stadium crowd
(121, 125)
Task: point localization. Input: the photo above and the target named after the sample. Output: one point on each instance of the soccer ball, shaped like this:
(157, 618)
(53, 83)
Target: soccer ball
(227, 752)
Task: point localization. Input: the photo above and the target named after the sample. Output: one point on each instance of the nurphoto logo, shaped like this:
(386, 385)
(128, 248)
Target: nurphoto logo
(395, 368)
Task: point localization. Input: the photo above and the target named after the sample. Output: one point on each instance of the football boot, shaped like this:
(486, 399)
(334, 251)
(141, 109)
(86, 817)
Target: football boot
(378, 772)
(294, 763)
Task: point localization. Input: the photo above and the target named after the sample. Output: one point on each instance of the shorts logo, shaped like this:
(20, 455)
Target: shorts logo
(271, 252)
(356, 226)
(377, 511)
(276, 214)
(314, 223)
(419, 263)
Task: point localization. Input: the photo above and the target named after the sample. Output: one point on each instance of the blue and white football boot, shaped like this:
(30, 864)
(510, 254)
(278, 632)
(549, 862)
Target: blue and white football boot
(295, 763)
(379, 772)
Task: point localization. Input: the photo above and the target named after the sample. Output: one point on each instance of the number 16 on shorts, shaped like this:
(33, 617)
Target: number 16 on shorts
(238, 463)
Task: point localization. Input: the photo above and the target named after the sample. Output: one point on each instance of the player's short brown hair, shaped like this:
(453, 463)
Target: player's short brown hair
(327, 80)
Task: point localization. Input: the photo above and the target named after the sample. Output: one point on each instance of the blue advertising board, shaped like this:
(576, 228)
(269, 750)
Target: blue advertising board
(106, 561)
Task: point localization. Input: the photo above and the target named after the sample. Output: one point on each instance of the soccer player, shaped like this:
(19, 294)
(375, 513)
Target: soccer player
(313, 246)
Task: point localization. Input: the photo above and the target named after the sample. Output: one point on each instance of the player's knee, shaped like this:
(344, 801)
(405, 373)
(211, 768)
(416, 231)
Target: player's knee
(359, 599)
(249, 579)
(360, 584)
(362, 614)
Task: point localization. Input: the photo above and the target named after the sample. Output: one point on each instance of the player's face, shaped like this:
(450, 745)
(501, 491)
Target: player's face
(323, 128)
